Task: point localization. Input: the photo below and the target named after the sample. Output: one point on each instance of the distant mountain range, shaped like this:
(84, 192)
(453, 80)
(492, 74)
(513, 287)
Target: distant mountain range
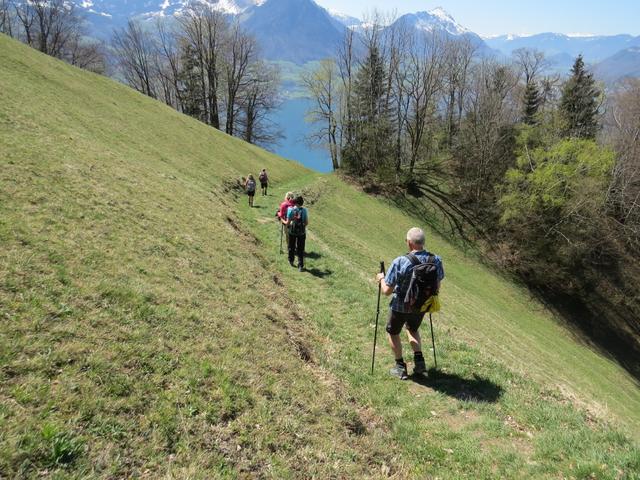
(625, 63)
(611, 57)
(594, 48)
(300, 31)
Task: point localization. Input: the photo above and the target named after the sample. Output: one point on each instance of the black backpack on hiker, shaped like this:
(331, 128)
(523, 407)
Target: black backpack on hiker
(296, 223)
(423, 284)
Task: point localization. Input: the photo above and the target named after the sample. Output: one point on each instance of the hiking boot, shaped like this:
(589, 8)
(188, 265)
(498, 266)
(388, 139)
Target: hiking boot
(419, 367)
(399, 371)
(300, 268)
(291, 263)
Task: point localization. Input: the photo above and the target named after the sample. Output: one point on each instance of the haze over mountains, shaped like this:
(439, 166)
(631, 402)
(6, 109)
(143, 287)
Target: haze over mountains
(300, 31)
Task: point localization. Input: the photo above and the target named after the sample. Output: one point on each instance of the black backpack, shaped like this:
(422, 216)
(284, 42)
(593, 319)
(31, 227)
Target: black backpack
(423, 284)
(296, 223)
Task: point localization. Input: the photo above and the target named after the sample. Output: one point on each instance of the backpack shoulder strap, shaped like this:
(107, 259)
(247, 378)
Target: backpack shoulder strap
(413, 259)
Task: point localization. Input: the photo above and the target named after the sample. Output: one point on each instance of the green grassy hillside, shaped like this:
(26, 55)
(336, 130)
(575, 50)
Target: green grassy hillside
(151, 329)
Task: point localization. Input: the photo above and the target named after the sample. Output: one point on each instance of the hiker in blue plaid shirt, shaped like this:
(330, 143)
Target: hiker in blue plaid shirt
(395, 283)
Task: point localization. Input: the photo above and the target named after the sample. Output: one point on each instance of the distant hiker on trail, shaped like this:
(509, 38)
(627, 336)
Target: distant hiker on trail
(297, 221)
(410, 308)
(264, 181)
(250, 187)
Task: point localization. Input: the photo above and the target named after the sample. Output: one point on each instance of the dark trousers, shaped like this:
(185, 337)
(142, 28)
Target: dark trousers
(296, 247)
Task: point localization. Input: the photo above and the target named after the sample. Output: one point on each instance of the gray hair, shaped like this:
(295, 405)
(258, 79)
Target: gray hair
(416, 236)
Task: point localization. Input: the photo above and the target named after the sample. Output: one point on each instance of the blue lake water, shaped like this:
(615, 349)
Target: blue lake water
(290, 117)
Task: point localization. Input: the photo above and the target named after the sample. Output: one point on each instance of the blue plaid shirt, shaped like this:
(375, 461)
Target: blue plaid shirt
(399, 275)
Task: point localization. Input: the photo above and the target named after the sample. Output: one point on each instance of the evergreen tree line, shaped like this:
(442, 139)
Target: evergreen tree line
(54, 27)
(205, 66)
(545, 169)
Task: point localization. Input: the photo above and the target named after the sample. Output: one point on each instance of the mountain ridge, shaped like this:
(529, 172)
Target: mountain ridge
(305, 31)
(594, 48)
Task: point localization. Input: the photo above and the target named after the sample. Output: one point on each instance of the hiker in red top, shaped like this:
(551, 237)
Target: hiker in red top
(284, 206)
(282, 213)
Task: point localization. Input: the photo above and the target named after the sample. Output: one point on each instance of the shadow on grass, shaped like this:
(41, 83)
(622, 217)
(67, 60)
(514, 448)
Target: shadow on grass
(319, 273)
(312, 255)
(477, 389)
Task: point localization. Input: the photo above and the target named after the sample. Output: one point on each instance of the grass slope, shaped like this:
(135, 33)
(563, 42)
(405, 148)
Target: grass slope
(150, 328)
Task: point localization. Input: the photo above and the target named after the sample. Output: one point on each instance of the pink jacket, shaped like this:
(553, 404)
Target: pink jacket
(284, 206)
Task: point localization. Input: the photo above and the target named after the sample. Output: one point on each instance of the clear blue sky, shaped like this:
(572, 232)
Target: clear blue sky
(492, 17)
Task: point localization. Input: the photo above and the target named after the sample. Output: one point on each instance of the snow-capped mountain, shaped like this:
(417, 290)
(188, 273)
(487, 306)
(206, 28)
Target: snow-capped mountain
(344, 19)
(105, 15)
(132, 8)
(301, 30)
(298, 31)
(436, 19)
(293, 30)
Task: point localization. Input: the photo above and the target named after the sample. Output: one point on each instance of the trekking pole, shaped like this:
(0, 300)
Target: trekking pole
(375, 335)
(433, 342)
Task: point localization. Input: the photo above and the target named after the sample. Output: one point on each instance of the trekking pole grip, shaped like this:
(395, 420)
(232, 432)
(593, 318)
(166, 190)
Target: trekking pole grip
(382, 267)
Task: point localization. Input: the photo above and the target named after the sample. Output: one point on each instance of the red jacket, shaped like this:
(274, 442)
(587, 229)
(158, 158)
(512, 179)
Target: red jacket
(284, 206)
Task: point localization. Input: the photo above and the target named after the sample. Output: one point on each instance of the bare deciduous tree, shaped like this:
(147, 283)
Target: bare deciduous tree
(624, 124)
(55, 28)
(51, 26)
(7, 17)
(424, 82)
(238, 57)
(169, 65)
(260, 98)
(322, 85)
(346, 68)
(490, 114)
(204, 30)
(460, 55)
(87, 55)
(135, 52)
(530, 63)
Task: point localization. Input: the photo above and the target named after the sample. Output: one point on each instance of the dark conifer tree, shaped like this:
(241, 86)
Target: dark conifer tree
(532, 101)
(371, 147)
(190, 84)
(579, 103)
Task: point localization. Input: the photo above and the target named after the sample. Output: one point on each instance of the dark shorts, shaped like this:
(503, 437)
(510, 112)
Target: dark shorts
(397, 320)
(252, 194)
(264, 184)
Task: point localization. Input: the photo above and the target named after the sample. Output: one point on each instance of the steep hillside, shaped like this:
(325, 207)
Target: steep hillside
(140, 321)
(150, 328)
